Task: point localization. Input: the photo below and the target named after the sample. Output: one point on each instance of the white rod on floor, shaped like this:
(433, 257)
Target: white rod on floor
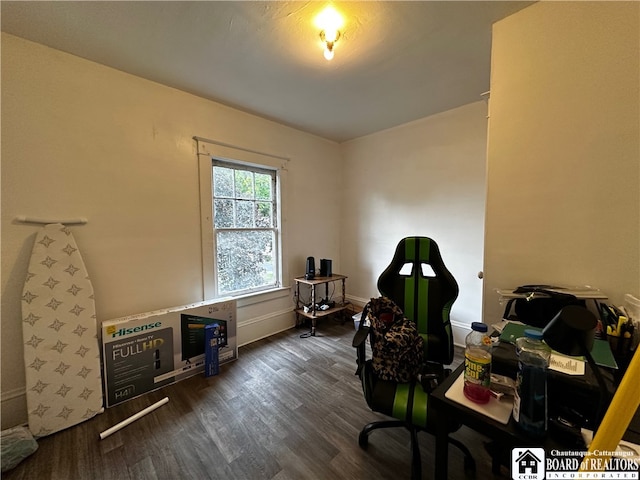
(133, 418)
(68, 221)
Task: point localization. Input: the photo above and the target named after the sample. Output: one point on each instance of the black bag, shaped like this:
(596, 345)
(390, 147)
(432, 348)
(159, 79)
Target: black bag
(396, 346)
(540, 305)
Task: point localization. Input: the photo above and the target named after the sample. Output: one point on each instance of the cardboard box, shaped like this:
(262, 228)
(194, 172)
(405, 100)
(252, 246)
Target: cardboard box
(147, 351)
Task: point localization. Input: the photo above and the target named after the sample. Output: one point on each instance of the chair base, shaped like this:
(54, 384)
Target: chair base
(416, 463)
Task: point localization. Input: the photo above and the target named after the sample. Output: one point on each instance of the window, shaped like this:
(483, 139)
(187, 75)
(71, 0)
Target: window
(245, 228)
(243, 242)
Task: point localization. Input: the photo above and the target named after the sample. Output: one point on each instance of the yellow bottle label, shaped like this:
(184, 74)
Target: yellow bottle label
(477, 367)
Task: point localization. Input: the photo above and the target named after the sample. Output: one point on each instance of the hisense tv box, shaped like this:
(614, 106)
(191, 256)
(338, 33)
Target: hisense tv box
(147, 351)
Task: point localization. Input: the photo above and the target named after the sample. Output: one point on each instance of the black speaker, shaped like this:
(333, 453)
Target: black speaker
(310, 273)
(325, 267)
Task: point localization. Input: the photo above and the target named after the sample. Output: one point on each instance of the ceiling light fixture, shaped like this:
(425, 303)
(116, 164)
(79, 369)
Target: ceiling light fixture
(329, 38)
(330, 22)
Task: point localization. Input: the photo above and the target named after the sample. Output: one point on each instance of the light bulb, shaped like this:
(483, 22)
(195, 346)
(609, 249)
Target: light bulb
(331, 35)
(328, 54)
(329, 19)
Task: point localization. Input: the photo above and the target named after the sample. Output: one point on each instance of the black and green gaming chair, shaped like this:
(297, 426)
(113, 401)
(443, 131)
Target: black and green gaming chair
(420, 284)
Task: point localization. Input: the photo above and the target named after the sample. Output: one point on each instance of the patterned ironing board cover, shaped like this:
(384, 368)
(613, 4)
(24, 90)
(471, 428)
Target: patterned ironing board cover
(61, 350)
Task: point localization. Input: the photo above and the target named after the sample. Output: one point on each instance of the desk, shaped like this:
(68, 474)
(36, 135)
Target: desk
(505, 437)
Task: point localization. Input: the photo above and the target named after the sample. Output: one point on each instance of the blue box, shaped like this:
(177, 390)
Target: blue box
(213, 337)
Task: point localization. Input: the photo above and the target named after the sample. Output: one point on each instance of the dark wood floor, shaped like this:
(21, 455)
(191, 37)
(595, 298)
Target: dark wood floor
(289, 408)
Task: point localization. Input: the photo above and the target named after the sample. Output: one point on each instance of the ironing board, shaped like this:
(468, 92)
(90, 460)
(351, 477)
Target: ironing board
(61, 350)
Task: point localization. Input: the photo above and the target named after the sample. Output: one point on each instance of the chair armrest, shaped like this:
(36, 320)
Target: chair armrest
(432, 375)
(359, 342)
(434, 368)
(361, 336)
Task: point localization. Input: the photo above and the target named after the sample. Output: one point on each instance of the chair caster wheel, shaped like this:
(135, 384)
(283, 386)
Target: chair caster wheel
(363, 439)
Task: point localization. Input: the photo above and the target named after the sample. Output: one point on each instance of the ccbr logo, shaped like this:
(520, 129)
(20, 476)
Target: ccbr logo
(527, 463)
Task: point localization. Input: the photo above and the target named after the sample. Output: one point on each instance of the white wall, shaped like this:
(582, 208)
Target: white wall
(563, 202)
(81, 139)
(423, 178)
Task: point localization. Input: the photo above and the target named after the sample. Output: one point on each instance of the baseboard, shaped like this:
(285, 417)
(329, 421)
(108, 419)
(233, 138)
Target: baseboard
(460, 332)
(14, 408)
(264, 326)
(357, 301)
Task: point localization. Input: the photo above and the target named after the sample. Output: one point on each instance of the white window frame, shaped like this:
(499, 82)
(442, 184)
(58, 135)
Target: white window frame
(274, 229)
(208, 152)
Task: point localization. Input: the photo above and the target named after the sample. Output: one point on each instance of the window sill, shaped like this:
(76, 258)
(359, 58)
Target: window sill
(263, 296)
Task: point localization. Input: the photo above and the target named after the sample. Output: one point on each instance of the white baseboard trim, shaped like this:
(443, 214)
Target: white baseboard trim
(460, 332)
(257, 328)
(11, 394)
(360, 302)
(13, 405)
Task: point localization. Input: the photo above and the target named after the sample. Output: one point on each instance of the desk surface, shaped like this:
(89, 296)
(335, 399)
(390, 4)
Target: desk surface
(318, 280)
(507, 435)
(498, 410)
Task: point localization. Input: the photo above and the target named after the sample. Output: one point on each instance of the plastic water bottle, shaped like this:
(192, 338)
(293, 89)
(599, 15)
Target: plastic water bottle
(477, 364)
(530, 402)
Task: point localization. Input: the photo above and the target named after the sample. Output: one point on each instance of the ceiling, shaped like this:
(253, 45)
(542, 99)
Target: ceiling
(396, 61)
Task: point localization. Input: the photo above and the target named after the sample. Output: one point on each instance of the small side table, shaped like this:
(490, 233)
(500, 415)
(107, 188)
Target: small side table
(313, 313)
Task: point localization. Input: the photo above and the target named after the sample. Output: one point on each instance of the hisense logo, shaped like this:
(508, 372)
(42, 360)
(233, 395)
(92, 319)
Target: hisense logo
(111, 330)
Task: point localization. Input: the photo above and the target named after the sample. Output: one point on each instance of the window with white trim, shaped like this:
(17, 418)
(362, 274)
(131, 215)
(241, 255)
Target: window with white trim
(245, 228)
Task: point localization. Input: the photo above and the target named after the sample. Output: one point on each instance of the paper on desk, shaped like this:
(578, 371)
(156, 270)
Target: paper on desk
(568, 365)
